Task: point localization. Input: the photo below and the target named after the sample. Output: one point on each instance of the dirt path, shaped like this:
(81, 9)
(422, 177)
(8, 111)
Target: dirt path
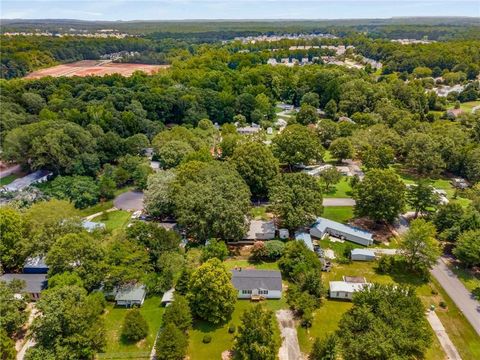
(447, 345)
(290, 350)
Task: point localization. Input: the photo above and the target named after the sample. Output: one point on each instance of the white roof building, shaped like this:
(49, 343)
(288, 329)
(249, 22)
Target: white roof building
(260, 230)
(20, 184)
(324, 226)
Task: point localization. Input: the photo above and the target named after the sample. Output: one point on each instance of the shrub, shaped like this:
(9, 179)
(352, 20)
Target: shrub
(434, 292)
(231, 329)
(259, 250)
(207, 339)
(385, 264)
(134, 326)
(443, 305)
(476, 293)
(274, 249)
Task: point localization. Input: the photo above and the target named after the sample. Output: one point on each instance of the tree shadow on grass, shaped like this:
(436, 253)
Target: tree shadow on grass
(401, 275)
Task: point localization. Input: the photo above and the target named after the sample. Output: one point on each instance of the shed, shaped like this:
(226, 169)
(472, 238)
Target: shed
(305, 238)
(265, 283)
(34, 283)
(168, 297)
(283, 233)
(362, 255)
(324, 226)
(130, 295)
(35, 265)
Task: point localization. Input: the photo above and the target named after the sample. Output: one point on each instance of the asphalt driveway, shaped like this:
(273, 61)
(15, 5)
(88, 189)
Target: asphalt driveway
(130, 201)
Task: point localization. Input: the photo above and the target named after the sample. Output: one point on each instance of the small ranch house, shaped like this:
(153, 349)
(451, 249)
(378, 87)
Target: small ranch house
(362, 255)
(346, 288)
(257, 283)
(324, 226)
(130, 295)
(260, 230)
(34, 283)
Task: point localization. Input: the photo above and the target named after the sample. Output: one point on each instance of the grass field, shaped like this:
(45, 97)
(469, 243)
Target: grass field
(340, 190)
(259, 213)
(466, 106)
(338, 213)
(114, 317)
(114, 219)
(8, 179)
(233, 263)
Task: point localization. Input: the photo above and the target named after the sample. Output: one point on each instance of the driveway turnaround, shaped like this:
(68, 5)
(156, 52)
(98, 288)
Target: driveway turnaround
(290, 350)
(338, 202)
(447, 345)
(130, 201)
(459, 294)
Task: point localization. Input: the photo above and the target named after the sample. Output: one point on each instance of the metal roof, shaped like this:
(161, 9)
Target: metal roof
(26, 181)
(257, 279)
(37, 262)
(168, 296)
(34, 283)
(322, 224)
(305, 238)
(365, 252)
(259, 228)
(336, 286)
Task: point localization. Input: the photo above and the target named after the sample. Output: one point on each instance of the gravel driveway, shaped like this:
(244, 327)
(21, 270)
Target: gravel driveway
(131, 200)
(338, 202)
(290, 350)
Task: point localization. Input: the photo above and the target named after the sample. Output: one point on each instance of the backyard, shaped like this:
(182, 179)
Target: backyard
(114, 219)
(114, 316)
(338, 213)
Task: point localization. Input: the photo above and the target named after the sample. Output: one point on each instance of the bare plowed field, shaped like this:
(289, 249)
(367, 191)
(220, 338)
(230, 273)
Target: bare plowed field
(94, 67)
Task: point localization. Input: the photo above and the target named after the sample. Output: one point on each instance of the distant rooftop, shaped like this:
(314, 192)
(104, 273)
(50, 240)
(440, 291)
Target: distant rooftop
(305, 238)
(34, 283)
(24, 182)
(322, 224)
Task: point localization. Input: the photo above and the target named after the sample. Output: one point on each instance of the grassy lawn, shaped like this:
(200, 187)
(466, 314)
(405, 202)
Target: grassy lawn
(114, 316)
(338, 213)
(259, 213)
(467, 278)
(337, 247)
(221, 339)
(104, 205)
(340, 190)
(466, 106)
(233, 263)
(114, 219)
(8, 179)
(459, 330)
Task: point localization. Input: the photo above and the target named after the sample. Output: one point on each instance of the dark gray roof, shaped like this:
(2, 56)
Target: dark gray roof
(135, 292)
(34, 283)
(257, 279)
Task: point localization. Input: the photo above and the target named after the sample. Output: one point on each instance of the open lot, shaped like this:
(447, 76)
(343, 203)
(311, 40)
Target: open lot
(94, 67)
(114, 317)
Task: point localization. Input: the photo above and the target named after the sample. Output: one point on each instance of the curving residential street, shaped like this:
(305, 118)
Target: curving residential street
(458, 293)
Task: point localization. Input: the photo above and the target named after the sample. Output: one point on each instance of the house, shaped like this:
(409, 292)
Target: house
(249, 130)
(168, 297)
(35, 265)
(155, 165)
(272, 61)
(130, 295)
(346, 119)
(254, 283)
(346, 288)
(34, 283)
(281, 123)
(362, 255)
(316, 170)
(91, 226)
(324, 226)
(305, 238)
(260, 230)
(442, 196)
(459, 183)
(20, 184)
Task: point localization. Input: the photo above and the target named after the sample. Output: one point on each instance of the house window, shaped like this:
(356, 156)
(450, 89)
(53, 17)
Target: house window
(246, 292)
(263, 292)
(346, 294)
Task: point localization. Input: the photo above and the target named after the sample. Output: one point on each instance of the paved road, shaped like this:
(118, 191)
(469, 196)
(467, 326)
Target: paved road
(131, 200)
(442, 336)
(290, 350)
(459, 294)
(338, 202)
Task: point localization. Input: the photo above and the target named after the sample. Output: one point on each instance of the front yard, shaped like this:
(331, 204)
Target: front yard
(114, 317)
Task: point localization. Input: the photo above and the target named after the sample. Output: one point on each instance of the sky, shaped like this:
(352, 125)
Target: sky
(232, 9)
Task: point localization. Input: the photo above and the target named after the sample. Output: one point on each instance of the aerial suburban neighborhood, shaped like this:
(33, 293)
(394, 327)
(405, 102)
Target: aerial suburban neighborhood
(240, 189)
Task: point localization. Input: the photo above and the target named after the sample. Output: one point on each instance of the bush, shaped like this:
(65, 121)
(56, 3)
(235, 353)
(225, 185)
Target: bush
(385, 264)
(231, 329)
(476, 293)
(274, 249)
(259, 250)
(442, 304)
(134, 326)
(207, 339)
(434, 292)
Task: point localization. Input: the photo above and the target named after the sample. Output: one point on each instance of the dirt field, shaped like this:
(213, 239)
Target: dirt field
(94, 67)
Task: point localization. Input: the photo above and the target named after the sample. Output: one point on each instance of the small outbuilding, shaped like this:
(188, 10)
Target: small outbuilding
(130, 295)
(305, 238)
(362, 255)
(257, 283)
(35, 265)
(324, 227)
(168, 297)
(91, 226)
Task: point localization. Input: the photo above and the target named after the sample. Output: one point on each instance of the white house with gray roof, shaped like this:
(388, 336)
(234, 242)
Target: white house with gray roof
(34, 283)
(324, 227)
(130, 295)
(265, 283)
